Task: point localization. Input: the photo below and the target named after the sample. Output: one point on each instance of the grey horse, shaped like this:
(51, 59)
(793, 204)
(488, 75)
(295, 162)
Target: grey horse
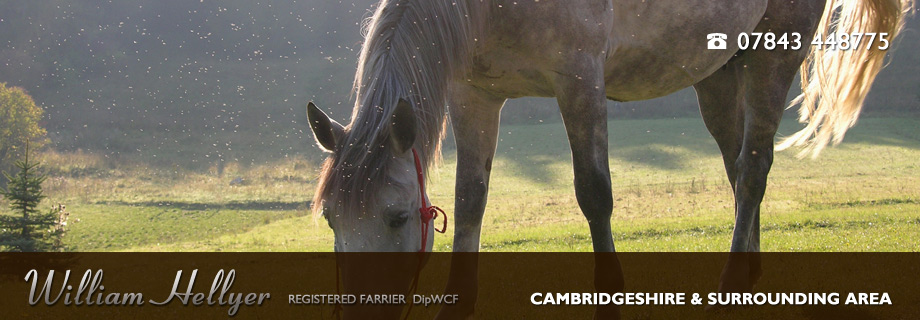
(423, 59)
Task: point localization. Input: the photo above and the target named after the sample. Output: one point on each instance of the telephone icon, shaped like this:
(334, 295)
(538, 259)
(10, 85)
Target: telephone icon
(716, 41)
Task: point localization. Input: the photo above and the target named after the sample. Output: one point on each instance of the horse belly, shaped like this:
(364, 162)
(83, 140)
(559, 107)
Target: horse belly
(659, 47)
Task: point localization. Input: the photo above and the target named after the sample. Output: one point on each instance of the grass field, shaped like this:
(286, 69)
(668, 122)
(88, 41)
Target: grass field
(670, 194)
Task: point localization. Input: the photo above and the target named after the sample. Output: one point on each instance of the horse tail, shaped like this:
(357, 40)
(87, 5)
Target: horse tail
(835, 82)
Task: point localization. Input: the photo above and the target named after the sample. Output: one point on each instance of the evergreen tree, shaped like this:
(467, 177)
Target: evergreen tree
(27, 229)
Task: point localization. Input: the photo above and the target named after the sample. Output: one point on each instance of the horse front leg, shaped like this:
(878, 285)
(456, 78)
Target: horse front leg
(474, 115)
(583, 104)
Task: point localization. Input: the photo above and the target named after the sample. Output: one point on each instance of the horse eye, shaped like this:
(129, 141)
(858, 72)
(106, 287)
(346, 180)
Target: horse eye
(396, 219)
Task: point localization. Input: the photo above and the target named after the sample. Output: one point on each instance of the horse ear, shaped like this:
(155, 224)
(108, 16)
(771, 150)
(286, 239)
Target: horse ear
(326, 131)
(402, 127)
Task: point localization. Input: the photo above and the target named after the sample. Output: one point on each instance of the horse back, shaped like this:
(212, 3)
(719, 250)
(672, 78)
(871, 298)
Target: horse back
(650, 48)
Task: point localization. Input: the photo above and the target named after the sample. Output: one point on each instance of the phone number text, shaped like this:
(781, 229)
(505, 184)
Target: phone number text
(793, 41)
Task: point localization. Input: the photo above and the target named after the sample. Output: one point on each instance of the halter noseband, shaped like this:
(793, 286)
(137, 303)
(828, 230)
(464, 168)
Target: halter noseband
(426, 214)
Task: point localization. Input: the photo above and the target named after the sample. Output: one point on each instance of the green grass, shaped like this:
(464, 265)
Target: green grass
(670, 194)
(121, 227)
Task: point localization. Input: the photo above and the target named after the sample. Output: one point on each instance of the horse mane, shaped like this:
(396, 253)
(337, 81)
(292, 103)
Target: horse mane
(412, 48)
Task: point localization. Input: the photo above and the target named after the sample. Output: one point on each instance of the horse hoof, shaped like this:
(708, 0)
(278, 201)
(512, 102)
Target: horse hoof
(607, 312)
(452, 312)
(720, 308)
(715, 308)
(736, 277)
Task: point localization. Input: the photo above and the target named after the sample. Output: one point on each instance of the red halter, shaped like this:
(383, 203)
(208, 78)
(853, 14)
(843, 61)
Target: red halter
(426, 212)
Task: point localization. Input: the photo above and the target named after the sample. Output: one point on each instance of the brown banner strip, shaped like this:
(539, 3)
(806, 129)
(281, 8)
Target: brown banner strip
(510, 285)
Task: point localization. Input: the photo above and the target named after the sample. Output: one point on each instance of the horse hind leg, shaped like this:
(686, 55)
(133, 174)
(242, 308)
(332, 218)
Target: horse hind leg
(766, 82)
(721, 100)
(582, 102)
(742, 105)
